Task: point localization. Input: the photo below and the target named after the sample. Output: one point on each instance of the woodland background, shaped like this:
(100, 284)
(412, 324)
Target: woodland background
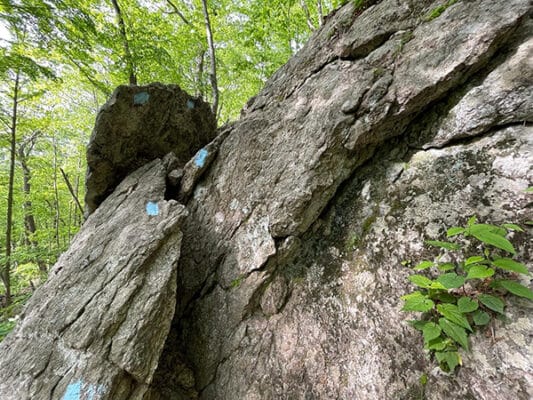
(59, 62)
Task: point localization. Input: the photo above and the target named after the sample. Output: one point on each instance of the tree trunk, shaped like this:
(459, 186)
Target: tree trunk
(130, 65)
(6, 271)
(212, 56)
(79, 218)
(57, 217)
(307, 15)
(71, 190)
(200, 90)
(30, 227)
(320, 12)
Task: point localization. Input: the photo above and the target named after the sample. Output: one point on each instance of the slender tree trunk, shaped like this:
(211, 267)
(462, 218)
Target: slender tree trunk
(307, 15)
(320, 12)
(6, 271)
(57, 217)
(30, 226)
(200, 74)
(212, 56)
(130, 65)
(80, 216)
(71, 190)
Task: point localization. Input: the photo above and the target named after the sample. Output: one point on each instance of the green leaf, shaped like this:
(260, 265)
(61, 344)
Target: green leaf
(488, 234)
(466, 305)
(529, 189)
(517, 289)
(477, 228)
(513, 227)
(474, 260)
(431, 331)
(451, 280)
(423, 379)
(491, 302)
(510, 265)
(446, 266)
(454, 331)
(481, 318)
(455, 230)
(444, 245)
(472, 220)
(437, 285)
(444, 297)
(438, 344)
(452, 313)
(420, 281)
(423, 265)
(450, 359)
(479, 272)
(417, 324)
(416, 301)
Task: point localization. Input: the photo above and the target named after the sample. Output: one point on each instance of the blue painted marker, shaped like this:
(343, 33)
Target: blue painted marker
(152, 208)
(73, 391)
(141, 98)
(199, 159)
(190, 104)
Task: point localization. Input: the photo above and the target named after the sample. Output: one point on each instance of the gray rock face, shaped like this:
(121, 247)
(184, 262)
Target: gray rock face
(386, 129)
(139, 124)
(96, 329)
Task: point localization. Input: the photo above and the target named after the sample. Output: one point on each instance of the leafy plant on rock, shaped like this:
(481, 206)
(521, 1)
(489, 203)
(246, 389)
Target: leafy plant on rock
(459, 294)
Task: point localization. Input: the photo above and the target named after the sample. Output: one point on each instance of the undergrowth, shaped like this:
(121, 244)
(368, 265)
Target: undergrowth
(464, 288)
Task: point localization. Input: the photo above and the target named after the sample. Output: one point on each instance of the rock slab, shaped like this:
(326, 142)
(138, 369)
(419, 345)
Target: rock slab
(96, 328)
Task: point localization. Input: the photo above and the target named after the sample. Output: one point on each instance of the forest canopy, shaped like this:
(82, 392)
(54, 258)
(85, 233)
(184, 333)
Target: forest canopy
(61, 59)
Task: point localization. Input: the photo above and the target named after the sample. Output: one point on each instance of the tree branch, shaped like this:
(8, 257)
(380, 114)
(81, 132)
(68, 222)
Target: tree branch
(177, 11)
(127, 52)
(71, 190)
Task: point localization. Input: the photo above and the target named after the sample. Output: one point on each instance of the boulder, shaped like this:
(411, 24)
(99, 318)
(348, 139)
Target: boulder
(139, 124)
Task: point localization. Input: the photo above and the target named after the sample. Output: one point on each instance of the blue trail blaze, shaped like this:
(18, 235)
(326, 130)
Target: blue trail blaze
(152, 208)
(73, 391)
(199, 160)
(190, 104)
(141, 98)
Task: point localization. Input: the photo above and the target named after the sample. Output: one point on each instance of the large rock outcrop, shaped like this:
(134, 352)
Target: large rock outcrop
(385, 129)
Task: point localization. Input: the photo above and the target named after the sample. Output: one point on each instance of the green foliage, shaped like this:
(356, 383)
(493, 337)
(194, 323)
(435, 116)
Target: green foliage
(437, 11)
(362, 4)
(8, 315)
(237, 282)
(456, 298)
(5, 328)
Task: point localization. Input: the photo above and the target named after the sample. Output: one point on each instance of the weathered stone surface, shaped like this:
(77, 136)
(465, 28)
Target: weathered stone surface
(291, 274)
(387, 128)
(96, 329)
(139, 124)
